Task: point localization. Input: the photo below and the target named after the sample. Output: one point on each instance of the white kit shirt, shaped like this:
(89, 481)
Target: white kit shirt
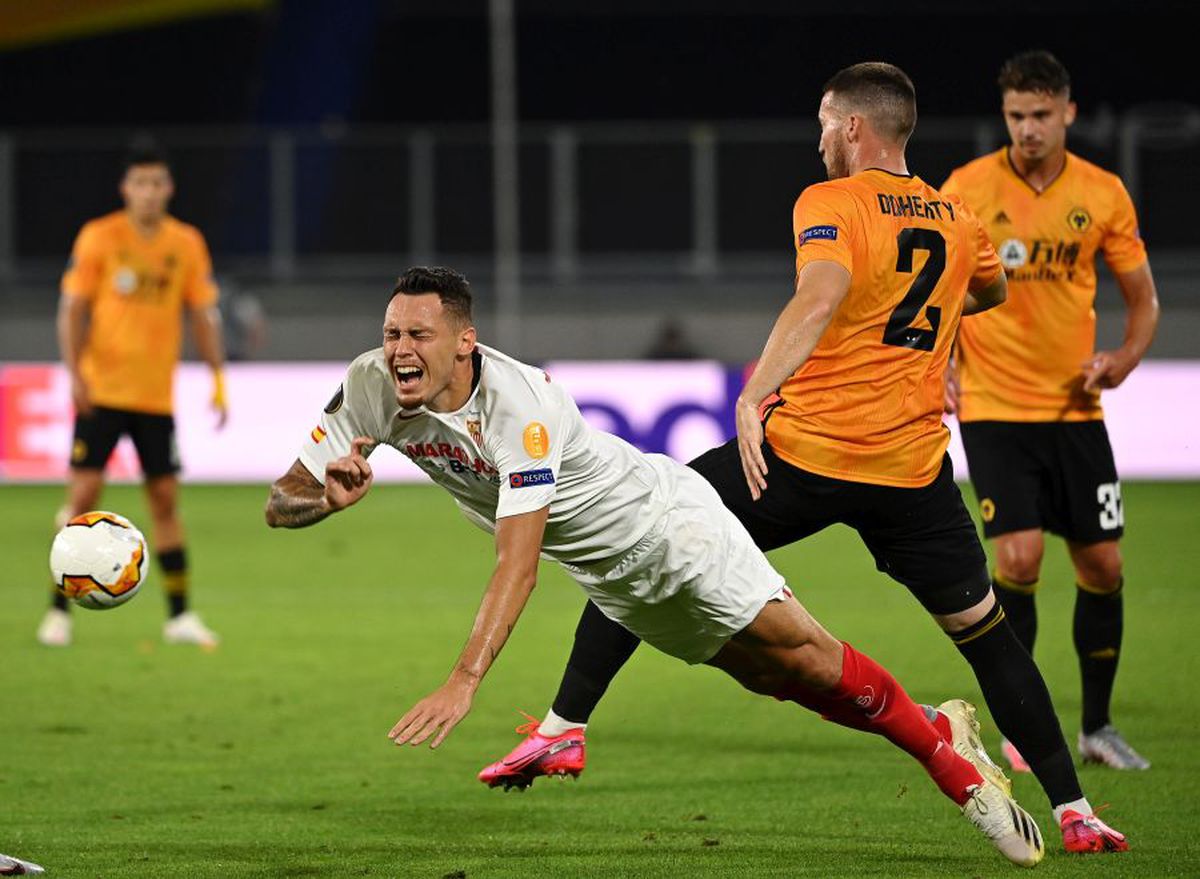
(518, 444)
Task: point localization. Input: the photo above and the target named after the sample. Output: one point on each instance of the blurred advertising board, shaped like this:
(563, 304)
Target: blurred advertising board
(680, 408)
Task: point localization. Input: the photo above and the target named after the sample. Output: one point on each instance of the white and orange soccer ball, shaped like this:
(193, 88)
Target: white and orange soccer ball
(98, 560)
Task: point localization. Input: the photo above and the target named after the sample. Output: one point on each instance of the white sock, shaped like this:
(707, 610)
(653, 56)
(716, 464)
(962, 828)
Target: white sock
(1082, 806)
(554, 725)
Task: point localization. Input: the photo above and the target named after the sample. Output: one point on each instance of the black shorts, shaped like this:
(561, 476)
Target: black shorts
(153, 436)
(921, 537)
(1059, 476)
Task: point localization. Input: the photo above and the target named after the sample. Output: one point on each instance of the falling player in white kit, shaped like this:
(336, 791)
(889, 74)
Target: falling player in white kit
(648, 539)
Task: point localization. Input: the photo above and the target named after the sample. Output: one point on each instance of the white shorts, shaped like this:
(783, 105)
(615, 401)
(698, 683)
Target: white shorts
(693, 581)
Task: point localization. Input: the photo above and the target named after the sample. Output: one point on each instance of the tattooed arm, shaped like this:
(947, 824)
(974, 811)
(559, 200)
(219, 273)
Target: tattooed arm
(298, 499)
(518, 548)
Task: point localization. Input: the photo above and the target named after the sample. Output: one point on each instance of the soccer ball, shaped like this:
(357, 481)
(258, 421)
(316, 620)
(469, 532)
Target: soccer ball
(98, 560)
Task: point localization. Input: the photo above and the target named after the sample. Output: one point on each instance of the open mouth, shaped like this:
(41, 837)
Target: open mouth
(408, 377)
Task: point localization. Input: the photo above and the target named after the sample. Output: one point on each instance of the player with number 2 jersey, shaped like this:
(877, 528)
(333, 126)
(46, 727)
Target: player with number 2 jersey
(867, 404)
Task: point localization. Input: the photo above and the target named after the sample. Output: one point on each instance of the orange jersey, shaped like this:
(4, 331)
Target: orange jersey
(137, 288)
(867, 405)
(1024, 360)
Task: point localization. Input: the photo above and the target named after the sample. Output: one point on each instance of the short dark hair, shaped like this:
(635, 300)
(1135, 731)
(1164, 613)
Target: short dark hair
(1034, 71)
(144, 150)
(883, 93)
(452, 288)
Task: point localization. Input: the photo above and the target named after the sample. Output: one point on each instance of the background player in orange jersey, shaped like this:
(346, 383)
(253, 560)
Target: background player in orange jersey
(885, 266)
(1028, 387)
(132, 275)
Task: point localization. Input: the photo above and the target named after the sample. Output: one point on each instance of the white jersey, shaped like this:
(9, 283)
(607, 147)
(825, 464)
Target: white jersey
(517, 445)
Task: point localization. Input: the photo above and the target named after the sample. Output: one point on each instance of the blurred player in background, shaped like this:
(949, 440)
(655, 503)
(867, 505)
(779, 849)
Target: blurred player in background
(133, 274)
(1027, 389)
(645, 537)
(885, 266)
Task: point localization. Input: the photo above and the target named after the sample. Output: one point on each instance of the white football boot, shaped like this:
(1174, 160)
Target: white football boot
(1010, 828)
(1107, 746)
(10, 866)
(188, 628)
(55, 629)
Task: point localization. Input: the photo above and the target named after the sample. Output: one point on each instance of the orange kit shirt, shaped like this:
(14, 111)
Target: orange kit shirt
(1024, 360)
(867, 405)
(137, 288)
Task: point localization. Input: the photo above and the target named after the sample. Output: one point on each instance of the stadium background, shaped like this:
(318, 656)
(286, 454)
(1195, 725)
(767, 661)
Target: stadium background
(322, 148)
(659, 148)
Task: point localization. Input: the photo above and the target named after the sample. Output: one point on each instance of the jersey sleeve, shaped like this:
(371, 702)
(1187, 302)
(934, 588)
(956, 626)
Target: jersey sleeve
(527, 451)
(199, 288)
(82, 277)
(346, 416)
(1123, 248)
(821, 227)
(987, 261)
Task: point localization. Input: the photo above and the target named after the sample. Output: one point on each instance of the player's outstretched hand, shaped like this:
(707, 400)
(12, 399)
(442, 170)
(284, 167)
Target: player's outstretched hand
(750, 440)
(1106, 370)
(348, 478)
(435, 715)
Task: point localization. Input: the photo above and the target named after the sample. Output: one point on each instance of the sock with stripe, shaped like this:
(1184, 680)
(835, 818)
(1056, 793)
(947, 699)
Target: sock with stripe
(869, 699)
(1099, 620)
(1020, 704)
(1018, 602)
(173, 563)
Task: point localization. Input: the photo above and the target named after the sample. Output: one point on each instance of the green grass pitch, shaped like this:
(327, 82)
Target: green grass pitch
(124, 758)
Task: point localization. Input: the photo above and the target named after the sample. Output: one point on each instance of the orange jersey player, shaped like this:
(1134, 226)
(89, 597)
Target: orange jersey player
(867, 403)
(886, 265)
(1029, 377)
(133, 275)
(136, 289)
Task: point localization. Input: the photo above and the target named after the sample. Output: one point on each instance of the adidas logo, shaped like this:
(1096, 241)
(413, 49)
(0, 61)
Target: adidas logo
(1001, 217)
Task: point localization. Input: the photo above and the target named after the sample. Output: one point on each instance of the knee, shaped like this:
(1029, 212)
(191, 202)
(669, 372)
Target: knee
(162, 503)
(1103, 576)
(816, 665)
(1019, 561)
(163, 511)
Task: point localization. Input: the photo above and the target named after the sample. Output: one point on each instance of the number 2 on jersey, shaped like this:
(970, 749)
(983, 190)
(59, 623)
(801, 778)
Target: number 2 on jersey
(900, 330)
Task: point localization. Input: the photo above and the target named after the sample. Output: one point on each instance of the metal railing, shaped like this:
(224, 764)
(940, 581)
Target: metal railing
(687, 199)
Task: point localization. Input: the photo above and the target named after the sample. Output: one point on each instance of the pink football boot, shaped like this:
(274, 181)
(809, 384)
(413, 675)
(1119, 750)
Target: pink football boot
(1087, 833)
(559, 756)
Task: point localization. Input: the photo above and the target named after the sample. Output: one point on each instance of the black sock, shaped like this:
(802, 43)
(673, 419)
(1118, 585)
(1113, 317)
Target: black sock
(1099, 618)
(175, 579)
(1019, 607)
(1019, 702)
(601, 647)
(58, 600)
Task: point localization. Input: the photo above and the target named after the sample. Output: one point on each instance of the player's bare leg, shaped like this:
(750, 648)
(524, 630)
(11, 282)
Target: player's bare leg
(183, 626)
(1098, 628)
(162, 498)
(84, 488)
(785, 653)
